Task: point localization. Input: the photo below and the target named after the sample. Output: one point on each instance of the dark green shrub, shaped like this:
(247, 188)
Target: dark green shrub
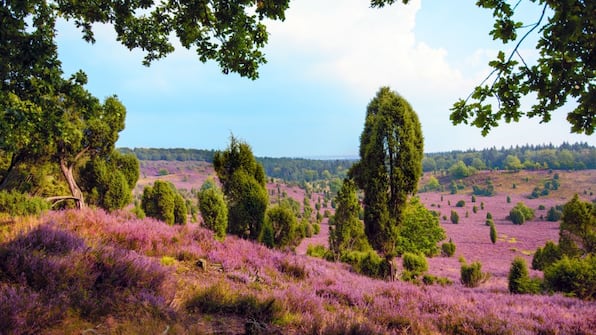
(474, 209)
(493, 232)
(454, 217)
(519, 281)
(489, 222)
(573, 276)
(473, 198)
(17, 204)
(472, 275)
(213, 208)
(448, 248)
(460, 203)
(541, 207)
(489, 215)
(508, 199)
(554, 214)
(163, 202)
(520, 214)
(546, 256)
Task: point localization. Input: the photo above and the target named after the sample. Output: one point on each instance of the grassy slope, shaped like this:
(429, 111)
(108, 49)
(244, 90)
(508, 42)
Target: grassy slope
(123, 275)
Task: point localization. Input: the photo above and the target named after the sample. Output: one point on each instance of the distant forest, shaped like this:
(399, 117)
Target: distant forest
(578, 156)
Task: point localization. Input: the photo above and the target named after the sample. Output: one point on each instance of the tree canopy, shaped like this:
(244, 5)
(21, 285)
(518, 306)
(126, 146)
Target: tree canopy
(564, 72)
(231, 33)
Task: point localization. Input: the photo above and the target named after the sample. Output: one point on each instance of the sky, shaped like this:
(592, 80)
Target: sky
(326, 61)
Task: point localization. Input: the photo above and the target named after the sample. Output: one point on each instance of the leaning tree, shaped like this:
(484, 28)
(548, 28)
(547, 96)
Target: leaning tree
(391, 151)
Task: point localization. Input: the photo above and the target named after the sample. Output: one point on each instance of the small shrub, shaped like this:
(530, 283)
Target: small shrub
(475, 209)
(431, 280)
(554, 214)
(460, 203)
(508, 199)
(18, 204)
(519, 281)
(448, 248)
(368, 263)
(489, 222)
(541, 207)
(473, 198)
(520, 214)
(319, 251)
(489, 215)
(472, 275)
(414, 263)
(493, 232)
(454, 217)
(482, 205)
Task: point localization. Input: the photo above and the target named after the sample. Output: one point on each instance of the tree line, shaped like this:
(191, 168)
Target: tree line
(576, 156)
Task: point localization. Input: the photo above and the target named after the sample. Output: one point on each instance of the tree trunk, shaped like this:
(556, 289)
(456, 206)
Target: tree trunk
(76, 192)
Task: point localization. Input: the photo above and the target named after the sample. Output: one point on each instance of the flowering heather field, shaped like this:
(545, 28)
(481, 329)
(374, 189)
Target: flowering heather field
(74, 272)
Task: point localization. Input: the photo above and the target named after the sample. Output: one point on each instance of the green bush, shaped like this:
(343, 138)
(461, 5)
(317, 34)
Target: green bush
(519, 281)
(554, 214)
(448, 248)
(419, 231)
(573, 276)
(460, 203)
(493, 232)
(472, 275)
(454, 217)
(546, 256)
(520, 214)
(213, 208)
(368, 263)
(415, 263)
(18, 204)
(319, 251)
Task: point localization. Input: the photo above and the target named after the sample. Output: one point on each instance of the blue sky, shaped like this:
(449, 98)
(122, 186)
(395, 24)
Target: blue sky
(325, 63)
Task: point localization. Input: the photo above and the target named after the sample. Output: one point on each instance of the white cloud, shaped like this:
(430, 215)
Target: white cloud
(364, 48)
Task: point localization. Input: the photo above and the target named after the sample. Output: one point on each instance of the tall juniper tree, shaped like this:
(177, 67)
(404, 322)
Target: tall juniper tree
(391, 150)
(243, 183)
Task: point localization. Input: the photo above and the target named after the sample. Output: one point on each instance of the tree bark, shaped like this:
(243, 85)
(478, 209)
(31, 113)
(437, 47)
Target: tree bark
(76, 192)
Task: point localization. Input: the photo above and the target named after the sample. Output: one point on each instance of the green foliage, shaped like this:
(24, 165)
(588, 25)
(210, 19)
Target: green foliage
(347, 232)
(319, 251)
(368, 263)
(416, 264)
(108, 181)
(460, 170)
(493, 232)
(577, 235)
(546, 256)
(283, 225)
(460, 203)
(163, 202)
(243, 183)
(448, 248)
(554, 214)
(489, 215)
(390, 166)
(557, 74)
(520, 214)
(420, 230)
(454, 217)
(519, 281)
(213, 208)
(18, 204)
(573, 276)
(472, 275)
(432, 184)
(487, 191)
